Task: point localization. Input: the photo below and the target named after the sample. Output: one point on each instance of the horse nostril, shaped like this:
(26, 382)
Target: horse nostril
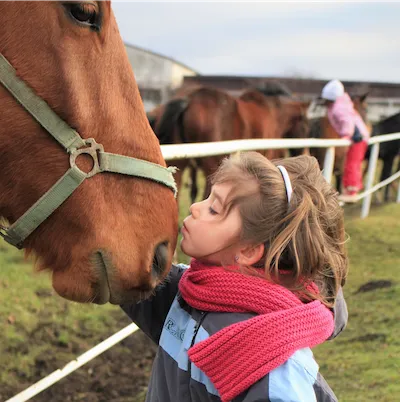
(160, 259)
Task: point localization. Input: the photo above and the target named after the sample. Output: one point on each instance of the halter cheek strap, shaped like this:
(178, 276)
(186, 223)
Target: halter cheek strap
(286, 179)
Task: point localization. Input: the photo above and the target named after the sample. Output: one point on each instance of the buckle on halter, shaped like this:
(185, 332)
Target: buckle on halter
(9, 239)
(93, 150)
(3, 231)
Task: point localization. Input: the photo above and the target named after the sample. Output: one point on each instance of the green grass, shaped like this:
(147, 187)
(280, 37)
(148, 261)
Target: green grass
(362, 364)
(33, 318)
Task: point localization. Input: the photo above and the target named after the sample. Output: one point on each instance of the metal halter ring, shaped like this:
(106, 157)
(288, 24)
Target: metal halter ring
(93, 149)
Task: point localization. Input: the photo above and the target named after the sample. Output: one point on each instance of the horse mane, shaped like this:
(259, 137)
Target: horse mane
(274, 88)
(264, 93)
(214, 98)
(390, 124)
(253, 95)
(393, 118)
(210, 93)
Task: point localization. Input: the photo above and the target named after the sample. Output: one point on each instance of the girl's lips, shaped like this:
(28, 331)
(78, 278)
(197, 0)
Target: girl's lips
(184, 228)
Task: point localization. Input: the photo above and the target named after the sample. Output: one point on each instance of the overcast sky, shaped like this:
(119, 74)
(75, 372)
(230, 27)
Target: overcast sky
(355, 41)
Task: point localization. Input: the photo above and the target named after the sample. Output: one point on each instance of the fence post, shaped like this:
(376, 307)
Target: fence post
(398, 194)
(328, 164)
(373, 159)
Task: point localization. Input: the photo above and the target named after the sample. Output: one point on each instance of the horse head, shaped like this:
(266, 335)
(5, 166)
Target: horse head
(361, 105)
(298, 124)
(111, 240)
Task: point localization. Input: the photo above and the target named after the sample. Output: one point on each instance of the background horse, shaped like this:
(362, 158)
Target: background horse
(113, 239)
(322, 128)
(208, 114)
(388, 151)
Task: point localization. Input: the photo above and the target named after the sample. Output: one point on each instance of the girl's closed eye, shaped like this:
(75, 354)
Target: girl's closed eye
(212, 211)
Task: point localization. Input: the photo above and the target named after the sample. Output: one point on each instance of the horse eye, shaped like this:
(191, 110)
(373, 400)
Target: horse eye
(85, 13)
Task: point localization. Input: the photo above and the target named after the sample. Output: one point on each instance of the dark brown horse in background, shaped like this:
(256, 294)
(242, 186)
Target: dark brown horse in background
(101, 243)
(208, 114)
(388, 151)
(322, 128)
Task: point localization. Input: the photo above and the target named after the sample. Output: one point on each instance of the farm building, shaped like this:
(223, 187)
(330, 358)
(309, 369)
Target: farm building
(157, 76)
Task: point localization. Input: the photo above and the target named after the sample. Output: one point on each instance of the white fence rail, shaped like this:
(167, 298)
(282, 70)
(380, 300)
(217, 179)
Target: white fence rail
(203, 149)
(199, 150)
(57, 375)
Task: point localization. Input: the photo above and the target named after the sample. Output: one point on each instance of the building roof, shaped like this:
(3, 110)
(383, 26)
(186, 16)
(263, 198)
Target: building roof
(159, 55)
(302, 86)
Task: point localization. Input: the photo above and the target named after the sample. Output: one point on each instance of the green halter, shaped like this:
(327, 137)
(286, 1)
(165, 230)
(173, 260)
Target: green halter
(75, 145)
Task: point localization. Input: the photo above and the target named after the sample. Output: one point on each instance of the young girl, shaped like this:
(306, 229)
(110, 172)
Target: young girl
(263, 287)
(348, 123)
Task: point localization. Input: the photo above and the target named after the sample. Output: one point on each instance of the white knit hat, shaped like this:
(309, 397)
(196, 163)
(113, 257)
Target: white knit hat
(332, 90)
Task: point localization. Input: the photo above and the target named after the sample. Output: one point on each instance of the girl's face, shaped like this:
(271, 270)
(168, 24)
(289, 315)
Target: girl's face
(209, 235)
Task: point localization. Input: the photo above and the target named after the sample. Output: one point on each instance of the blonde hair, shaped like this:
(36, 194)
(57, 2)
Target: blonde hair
(304, 238)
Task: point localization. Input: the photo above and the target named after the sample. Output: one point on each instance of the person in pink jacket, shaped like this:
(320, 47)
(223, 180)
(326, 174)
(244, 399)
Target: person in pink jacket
(348, 123)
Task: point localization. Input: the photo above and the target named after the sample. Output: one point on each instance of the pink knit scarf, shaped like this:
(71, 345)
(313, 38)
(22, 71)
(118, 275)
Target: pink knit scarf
(239, 355)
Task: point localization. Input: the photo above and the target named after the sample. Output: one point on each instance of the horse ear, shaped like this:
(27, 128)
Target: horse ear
(361, 97)
(364, 97)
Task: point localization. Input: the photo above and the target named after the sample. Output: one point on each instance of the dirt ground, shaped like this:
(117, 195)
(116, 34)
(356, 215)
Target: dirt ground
(120, 374)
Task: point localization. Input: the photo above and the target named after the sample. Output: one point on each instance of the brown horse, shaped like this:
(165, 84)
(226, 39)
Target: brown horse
(208, 114)
(322, 128)
(113, 239)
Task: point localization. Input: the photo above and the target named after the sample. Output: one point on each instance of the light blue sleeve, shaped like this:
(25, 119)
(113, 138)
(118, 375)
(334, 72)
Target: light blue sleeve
(294, 380)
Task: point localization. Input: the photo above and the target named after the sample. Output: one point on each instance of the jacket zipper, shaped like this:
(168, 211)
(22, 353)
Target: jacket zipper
(196, 330)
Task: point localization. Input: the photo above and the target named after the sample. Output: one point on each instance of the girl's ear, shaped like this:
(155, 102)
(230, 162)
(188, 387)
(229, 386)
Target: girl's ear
(250, 254)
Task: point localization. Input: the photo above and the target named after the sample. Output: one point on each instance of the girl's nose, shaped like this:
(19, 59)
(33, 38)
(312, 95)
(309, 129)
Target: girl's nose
(194, 210)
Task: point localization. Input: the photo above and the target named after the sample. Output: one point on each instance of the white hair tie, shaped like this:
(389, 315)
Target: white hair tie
(286, 179)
